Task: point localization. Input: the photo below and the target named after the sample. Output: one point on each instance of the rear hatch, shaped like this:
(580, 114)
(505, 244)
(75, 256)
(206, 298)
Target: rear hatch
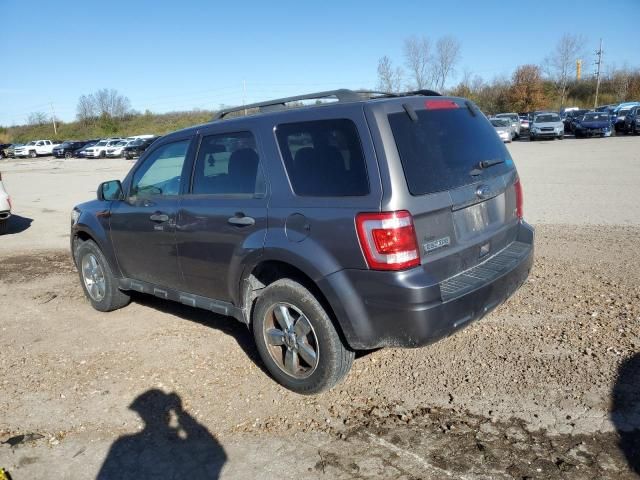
(451, 171)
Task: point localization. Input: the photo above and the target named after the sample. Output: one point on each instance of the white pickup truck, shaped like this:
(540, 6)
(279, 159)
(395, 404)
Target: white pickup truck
(36, 148)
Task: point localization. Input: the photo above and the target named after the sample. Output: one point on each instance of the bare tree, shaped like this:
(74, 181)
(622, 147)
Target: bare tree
(561, 64)
(106, 103)
(417, 59)
(389, 78)
(37, 118)
(446, 57)
(86, 110)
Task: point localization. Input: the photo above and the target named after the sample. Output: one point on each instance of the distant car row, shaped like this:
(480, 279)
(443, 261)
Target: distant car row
(129, 148)
(604, 121)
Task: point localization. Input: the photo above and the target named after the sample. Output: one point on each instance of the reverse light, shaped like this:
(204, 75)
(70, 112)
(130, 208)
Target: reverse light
(519, 198)
(388, 240)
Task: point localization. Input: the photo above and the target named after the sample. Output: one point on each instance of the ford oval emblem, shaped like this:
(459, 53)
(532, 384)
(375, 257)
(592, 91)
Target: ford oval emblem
(483, 191)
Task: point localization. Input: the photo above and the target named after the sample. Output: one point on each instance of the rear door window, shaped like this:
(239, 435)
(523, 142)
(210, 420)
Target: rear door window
(441, 148)
(324, 158)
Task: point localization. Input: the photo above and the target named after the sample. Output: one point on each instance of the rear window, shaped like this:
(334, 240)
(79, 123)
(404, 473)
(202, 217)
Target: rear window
(439, 151)
(323, 158)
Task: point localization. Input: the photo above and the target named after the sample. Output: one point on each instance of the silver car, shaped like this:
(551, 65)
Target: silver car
(515, 121)
(546, 125)
(503, 128)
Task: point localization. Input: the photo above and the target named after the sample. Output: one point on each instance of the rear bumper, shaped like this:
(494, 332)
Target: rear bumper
(406, 309)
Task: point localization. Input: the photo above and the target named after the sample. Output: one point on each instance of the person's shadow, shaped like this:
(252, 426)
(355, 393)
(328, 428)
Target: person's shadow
(625, 410)
(173, 445)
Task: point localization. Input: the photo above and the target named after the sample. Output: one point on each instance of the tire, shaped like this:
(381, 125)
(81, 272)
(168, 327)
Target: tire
(4, 226)
(68, 155)
(561, 137)
(532, 138)
(103, 154)
(289, 302)
(94, 270)
(33, 154)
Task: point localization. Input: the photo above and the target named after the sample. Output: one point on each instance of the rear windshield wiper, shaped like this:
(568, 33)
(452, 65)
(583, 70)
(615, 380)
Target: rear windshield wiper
(477, 170)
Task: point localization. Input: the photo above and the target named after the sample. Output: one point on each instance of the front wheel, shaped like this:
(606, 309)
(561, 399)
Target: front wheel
(297, 340)
(68, 155)
(32, 154)
(560, 137)
(98, 282)
(531, 138)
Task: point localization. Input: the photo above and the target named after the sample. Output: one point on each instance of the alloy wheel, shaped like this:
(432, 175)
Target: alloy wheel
(291, 340)
(93, 276)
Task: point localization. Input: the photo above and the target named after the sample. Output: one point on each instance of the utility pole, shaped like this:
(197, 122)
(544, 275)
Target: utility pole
(599, 64)
(244, 95)
(53, 117)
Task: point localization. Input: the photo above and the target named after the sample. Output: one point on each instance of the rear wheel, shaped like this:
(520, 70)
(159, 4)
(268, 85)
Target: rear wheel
(98, 282)
(297, 340)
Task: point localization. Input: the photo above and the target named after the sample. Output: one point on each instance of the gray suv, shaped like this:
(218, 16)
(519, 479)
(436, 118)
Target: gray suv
(375, 220)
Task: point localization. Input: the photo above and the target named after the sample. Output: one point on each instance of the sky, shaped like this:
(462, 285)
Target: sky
(201, 54)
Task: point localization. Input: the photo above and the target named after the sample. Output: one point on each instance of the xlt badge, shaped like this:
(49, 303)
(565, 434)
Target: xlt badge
(435, 244)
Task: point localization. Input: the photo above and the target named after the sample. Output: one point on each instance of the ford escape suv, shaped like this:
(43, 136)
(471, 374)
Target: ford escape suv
(369, 221)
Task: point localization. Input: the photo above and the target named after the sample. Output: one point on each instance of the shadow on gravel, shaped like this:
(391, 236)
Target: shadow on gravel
(625, 410)
(228, 325)
(172, 445)
(18, 224)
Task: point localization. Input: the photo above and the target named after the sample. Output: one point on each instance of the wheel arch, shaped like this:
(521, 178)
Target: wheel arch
(267, 271)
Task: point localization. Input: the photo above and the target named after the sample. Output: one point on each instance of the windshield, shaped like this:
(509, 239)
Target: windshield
(590, 117)
(31, 143)
(547, 117)
(622, 113)
(135, 143)
(508, 115)
(121, 144)
(101, 144)
(449, 141)
(499, 122)
(66, 144)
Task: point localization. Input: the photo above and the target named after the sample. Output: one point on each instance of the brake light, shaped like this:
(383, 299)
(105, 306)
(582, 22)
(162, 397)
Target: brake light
(388, 240)
(440, 104)
(519, 198)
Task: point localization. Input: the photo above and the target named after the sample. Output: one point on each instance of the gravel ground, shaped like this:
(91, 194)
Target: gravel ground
(547, 386)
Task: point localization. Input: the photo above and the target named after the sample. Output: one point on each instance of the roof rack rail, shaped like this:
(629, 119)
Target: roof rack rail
(342, 95)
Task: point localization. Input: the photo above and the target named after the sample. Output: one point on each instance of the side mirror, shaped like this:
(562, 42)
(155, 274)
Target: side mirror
(111, 190)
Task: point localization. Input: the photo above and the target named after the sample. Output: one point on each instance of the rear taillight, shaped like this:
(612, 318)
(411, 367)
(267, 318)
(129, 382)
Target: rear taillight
(388, 240)
(519, 198)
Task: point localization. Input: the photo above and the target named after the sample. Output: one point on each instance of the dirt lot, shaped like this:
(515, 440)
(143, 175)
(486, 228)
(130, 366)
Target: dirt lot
(547, 386)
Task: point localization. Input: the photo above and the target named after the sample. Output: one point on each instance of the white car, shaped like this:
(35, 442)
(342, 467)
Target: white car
(116, 150)
(99, 150)
(5, 208)
(36, 148)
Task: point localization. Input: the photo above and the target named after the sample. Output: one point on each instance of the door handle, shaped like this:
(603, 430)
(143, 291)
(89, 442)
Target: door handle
(159, 217)
(241, 220)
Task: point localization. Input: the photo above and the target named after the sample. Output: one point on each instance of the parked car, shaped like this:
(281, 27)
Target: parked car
(99, 150)
(3, 148)
(424, 195)
(546, 125)
(5, 208)
(137, 147)
(68, 149)
(81, 153)
(115, 151)
(11, 150)
(503, 128)
(593, 124)
(632, 121)
(35, 148)
(515, 122)
(570, 117)
(524, 123)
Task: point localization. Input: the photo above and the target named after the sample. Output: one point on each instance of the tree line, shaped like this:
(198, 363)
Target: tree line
(550, 85)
